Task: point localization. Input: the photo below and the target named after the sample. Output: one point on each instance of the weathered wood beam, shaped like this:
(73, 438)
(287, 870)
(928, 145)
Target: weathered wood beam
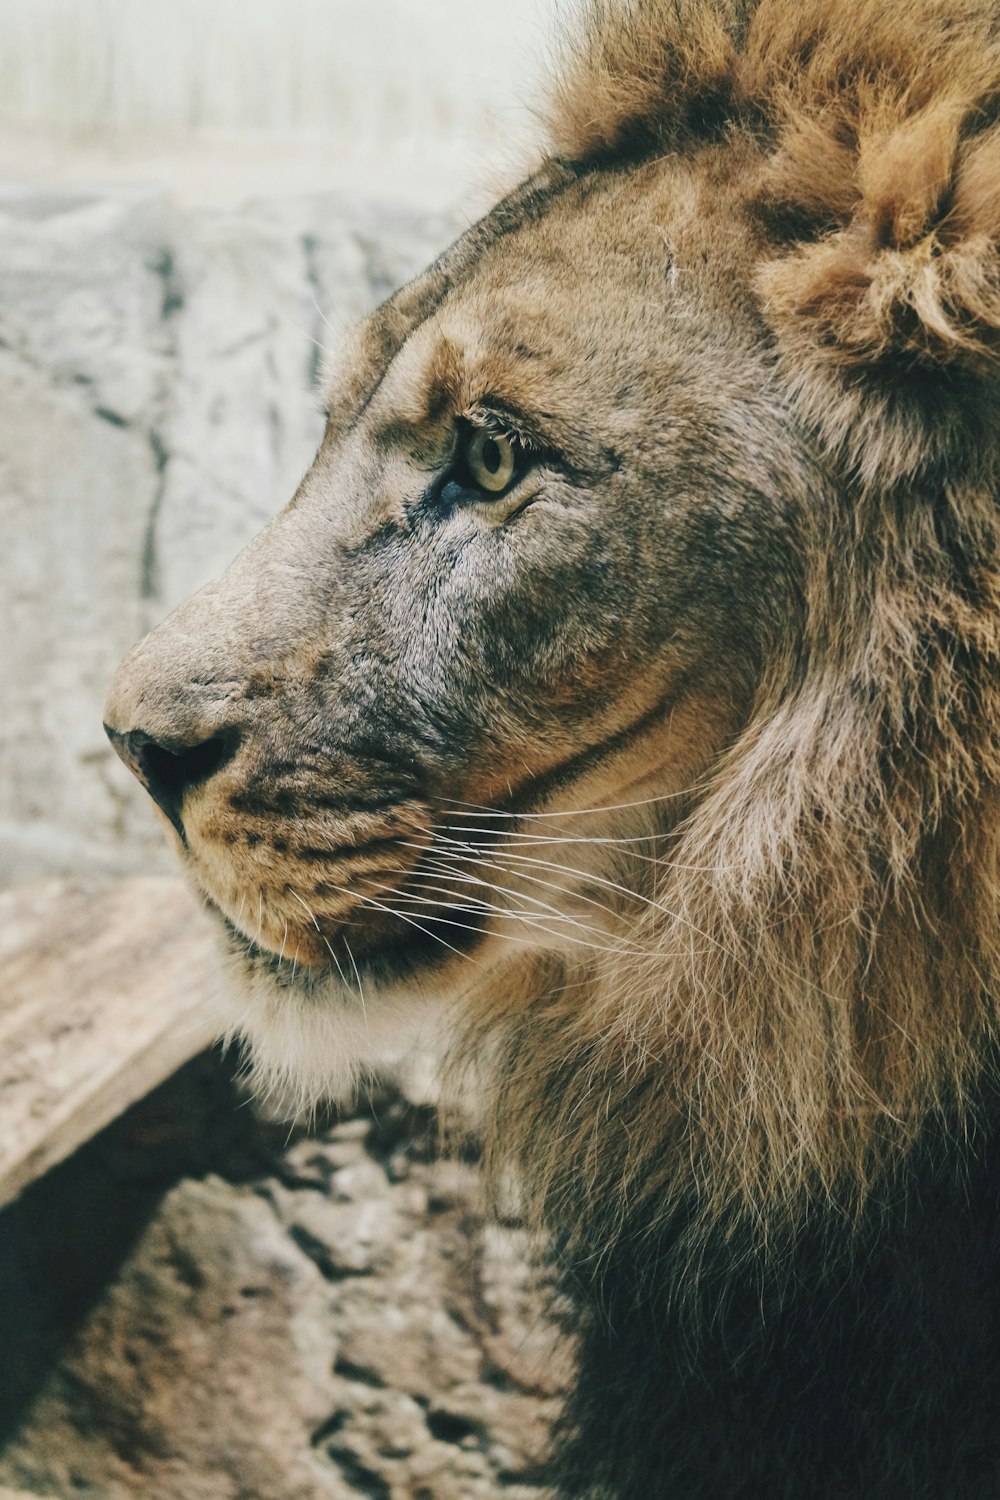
(105, 990)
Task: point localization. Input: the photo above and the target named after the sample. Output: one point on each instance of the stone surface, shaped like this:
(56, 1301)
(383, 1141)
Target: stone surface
(158, 402)
(340, 1324)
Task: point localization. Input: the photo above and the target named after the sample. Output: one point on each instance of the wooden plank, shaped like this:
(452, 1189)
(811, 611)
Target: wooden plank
(105, 990)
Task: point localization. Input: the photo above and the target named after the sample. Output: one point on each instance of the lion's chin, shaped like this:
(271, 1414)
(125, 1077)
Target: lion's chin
(310, 1037)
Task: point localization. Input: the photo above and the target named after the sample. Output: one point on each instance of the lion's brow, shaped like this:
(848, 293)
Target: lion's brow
(381, 337)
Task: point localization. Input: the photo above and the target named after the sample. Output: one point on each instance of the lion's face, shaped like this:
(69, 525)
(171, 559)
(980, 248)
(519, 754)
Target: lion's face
(538, 564)
(626, 668)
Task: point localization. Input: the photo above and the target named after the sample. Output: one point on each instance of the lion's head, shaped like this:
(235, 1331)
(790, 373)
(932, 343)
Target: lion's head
(625, 672)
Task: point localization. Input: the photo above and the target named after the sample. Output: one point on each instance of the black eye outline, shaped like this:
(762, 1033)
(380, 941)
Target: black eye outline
(472, 452)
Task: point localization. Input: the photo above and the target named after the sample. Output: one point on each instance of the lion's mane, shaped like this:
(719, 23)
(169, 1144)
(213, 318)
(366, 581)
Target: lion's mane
(816, 975)
(756, 1097)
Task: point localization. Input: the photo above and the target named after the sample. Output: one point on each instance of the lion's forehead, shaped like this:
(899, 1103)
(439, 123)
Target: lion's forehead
(545, 313)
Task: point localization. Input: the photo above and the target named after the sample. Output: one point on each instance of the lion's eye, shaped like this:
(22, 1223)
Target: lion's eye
(491, 459)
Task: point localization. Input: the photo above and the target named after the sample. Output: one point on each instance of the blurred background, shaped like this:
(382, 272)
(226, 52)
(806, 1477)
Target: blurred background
(197, 198)
(218, 99)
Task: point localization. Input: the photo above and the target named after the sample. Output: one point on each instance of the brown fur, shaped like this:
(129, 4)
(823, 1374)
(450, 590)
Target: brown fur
(880, 165)
(731, 663)
(824, 952)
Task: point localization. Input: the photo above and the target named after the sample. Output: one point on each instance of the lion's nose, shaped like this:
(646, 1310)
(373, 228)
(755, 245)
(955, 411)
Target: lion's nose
(169, 769)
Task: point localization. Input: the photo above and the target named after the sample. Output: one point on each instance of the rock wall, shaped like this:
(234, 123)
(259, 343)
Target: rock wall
(158, 402)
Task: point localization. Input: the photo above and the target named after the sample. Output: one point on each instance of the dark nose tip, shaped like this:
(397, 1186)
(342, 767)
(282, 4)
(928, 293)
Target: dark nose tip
(167, 770)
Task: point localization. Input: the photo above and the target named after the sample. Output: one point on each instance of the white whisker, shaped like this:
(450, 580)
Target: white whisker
(588, 878)
(534, 841)
(492, 863)
(524, 896)
(477, 808)
(380, 906)
(312, 915)
(357, 975)
(485, 908)
(508, 938)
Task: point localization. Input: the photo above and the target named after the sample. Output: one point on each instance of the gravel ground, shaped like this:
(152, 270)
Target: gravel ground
(330, 1316)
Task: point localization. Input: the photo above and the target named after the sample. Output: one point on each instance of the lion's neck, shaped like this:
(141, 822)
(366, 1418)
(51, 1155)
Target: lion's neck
(862, 1361)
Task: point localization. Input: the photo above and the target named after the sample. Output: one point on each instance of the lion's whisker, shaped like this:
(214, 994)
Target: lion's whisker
(588, 876)
(539, 841)
(524, 896)
(496, 865)
(380, 906)
(460, 852)
(527, 942)
(476, 808)
(604, 881)
(323, 348)
(492, 863)
(312, 915)
(488, 908)
(357, 975)
(534, 841)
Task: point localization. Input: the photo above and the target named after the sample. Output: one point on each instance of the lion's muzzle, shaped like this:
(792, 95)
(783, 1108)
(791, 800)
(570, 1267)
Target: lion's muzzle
(297, 823)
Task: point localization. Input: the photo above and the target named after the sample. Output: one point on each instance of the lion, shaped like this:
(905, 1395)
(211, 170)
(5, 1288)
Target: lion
(623, 680)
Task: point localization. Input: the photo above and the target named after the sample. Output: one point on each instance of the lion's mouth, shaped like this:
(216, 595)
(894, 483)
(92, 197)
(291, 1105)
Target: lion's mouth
(406, 891)
(395, 948)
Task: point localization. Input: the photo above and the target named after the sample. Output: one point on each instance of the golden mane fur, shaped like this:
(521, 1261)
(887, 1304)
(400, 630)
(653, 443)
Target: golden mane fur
(882, 184)
(822, 956)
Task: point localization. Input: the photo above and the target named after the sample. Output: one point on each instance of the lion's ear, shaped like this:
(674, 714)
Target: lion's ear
(890, 259)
